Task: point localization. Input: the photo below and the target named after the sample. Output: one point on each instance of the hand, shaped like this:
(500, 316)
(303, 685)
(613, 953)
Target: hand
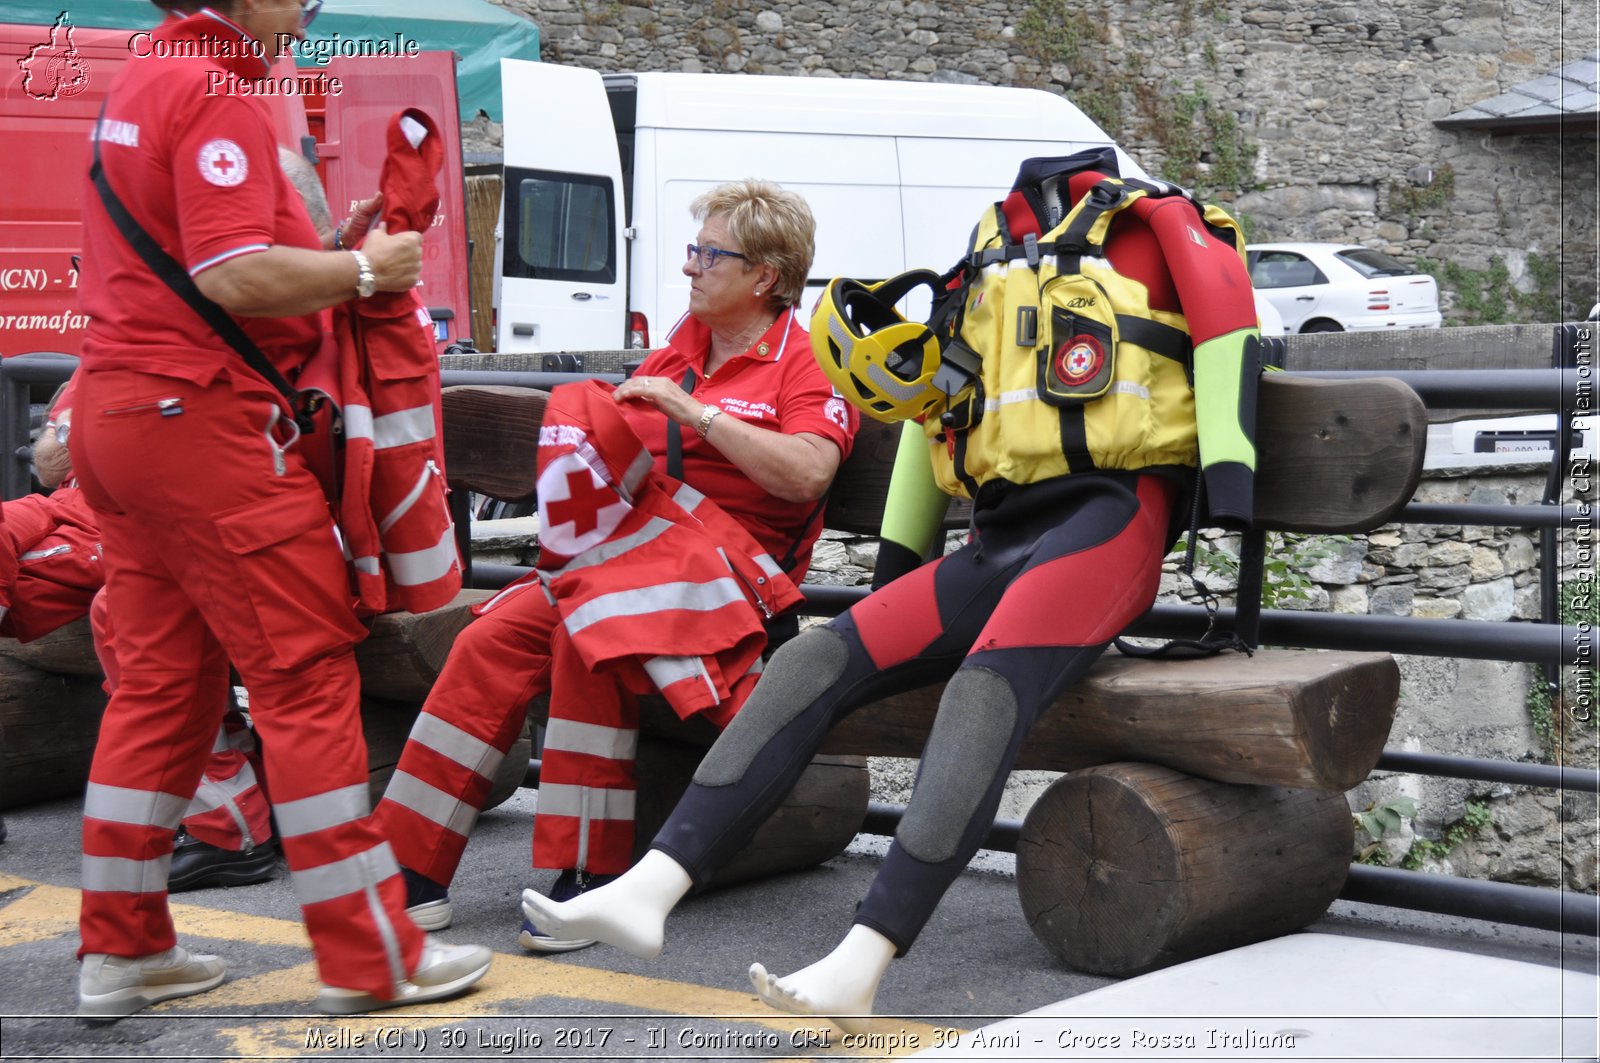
(396, 258)
(664, 395)
(360, 220)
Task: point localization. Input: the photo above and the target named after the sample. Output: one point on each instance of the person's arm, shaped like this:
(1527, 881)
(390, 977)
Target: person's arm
(52, 462)
(283, 281)
(795, 468)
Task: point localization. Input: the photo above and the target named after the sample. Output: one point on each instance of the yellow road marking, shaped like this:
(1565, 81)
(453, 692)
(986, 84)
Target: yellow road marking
(43, 912)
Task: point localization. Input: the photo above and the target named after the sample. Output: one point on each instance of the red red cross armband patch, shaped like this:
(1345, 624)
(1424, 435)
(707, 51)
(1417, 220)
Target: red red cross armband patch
(222, 162)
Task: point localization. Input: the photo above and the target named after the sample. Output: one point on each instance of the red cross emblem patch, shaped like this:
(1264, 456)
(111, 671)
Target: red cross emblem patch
(1078, 360)
(222, 162)
(577, 509)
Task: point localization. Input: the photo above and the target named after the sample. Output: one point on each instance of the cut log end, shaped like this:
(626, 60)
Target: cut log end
(1127, 867)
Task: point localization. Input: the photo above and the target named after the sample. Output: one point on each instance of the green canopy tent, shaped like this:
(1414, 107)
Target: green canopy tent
(479, 32)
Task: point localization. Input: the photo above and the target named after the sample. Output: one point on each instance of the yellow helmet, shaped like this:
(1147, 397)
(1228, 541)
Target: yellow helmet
(880, 362)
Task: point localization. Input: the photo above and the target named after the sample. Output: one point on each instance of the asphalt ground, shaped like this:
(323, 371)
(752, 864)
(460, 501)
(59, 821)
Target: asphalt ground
(975, 963)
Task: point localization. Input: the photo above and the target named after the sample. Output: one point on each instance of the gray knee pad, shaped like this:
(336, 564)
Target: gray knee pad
(965, 749)
(799, 673)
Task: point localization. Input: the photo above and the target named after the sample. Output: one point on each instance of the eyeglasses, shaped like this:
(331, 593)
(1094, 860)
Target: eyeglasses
(708, 256)
(308, 12)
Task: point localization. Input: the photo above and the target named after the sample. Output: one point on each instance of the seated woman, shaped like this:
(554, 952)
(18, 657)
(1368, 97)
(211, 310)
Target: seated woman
(736, 408)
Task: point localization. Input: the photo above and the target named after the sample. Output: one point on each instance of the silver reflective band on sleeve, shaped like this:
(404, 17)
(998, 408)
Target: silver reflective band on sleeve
(321, 811)
(450, 741)
(404, 505)
(574, 736)
(368, 565)
(416, 567)
(341, 878)
(115, 874)
(611, 548)
(357, 421)
(665, 671)
(143, 808)
(559, 799)
(766, 563)
(687, 498)
(397, 429)
(636, 471)
(757, 666)
(431, 803)
(693, 597)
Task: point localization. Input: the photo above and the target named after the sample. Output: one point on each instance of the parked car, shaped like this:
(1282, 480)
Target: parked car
(1327, 287)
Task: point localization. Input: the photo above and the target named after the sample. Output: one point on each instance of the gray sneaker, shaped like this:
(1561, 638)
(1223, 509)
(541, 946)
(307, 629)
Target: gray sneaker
(110, 987)
(443, 971)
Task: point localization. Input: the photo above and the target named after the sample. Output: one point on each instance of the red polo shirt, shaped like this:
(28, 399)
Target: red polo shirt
(197, 166)
(775, 385)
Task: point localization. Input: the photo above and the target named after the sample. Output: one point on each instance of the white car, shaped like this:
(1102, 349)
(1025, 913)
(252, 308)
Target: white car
(1325, 287)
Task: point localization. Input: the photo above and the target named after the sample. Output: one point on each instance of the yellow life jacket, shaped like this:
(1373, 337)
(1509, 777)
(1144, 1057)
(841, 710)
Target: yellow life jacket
(1070, 369)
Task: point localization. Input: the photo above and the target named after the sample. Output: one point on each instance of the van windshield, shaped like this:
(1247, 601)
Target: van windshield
(559, 226)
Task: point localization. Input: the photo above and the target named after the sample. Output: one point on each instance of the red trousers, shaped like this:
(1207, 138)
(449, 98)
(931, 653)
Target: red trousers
(230, 809)
(220, 543)
(474, 712)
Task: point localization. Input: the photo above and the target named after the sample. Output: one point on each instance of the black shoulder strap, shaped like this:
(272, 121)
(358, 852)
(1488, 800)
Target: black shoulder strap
(175, 277)
(675, 433)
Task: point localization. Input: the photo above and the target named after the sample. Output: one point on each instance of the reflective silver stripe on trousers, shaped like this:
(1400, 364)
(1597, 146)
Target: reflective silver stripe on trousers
(450, 741)
(322, 811)
(643, 601)
(224, 794)
(353, 874)
(417, 567)
(115, 874)
(596, 740)
(665, 671)
(563, 799)
(142, 808)
(612, 548)
(431, 803)
(390, 429)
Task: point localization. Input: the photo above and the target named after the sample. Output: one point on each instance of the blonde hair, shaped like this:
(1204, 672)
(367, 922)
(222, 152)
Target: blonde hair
(772, 226)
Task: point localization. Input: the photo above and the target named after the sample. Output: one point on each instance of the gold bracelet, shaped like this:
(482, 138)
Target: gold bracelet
(707, 415)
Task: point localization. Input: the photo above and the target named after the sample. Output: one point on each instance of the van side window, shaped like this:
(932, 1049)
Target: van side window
(559, 226)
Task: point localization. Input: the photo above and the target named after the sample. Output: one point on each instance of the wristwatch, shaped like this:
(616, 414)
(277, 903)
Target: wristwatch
(707, 415)
(366, 280)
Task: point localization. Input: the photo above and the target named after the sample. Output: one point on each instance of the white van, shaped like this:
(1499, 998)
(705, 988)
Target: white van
(600, 171)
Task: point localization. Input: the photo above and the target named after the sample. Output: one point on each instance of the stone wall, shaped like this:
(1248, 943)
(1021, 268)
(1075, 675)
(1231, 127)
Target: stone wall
(1309, 120)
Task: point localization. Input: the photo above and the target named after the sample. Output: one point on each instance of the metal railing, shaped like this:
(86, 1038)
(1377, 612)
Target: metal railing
(1565, 389)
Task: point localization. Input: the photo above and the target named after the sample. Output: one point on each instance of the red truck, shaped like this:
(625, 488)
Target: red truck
(55, 78)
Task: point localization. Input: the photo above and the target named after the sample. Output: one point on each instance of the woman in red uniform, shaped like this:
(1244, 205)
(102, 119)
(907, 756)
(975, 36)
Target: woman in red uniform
(760, 432)
(218, 541)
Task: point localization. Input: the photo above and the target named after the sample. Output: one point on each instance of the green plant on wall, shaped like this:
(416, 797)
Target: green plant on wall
(1488, 297)
(1379, 820)
(1189, 127)
(1408, 200)
(1283, 571)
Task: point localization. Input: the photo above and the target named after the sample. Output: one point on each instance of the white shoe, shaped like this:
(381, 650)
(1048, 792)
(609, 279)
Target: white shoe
(431, 915)
(443, 971)
(110, 987)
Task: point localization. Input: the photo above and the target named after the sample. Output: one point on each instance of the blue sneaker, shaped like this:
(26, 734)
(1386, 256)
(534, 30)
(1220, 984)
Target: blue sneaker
(427, 902)
(569, 884)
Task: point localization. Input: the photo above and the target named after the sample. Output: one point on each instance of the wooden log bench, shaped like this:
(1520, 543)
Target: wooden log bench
(1204, 803)
(1216, 786)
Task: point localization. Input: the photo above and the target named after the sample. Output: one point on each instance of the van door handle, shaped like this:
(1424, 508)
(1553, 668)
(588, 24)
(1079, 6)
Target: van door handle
(582, 296)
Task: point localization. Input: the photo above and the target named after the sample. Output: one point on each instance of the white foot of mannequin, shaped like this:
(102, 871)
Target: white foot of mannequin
(629, 913)
(840, 986)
